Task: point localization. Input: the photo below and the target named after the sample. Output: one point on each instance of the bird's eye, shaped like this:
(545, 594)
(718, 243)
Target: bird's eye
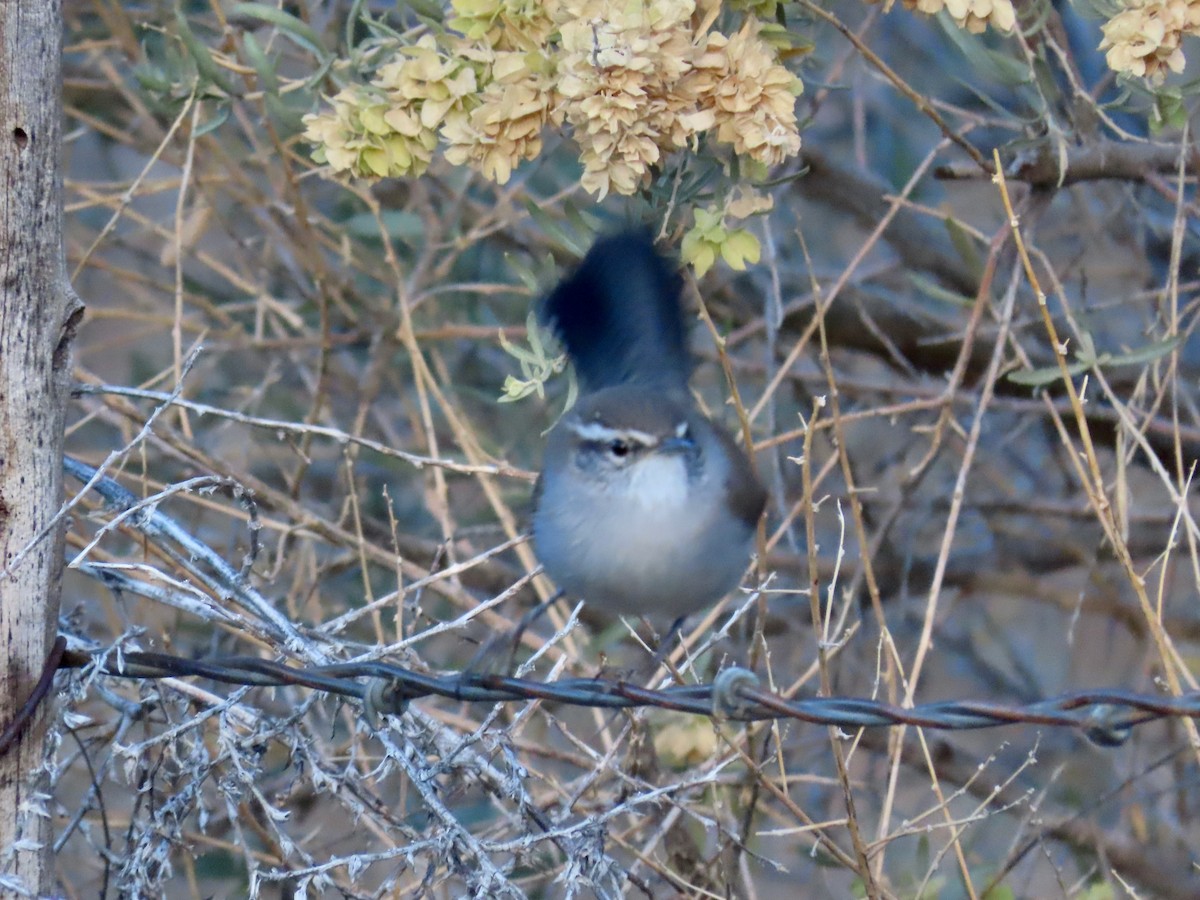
(619, 448)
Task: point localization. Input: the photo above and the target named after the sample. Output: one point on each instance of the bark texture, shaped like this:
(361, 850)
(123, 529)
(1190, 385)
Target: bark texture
(37, 316)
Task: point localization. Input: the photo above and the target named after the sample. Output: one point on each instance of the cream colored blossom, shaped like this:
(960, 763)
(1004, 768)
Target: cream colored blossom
(973, 15)
(751, 96)
(634, 79)
(356, 136)
(506, 24)
(392, 129)
(428, 85)
(619, 77)
(506, 125)
(1143, 40)
(745, 202)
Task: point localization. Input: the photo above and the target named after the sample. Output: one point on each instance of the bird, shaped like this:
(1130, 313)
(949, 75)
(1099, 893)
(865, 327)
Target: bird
(644, 506)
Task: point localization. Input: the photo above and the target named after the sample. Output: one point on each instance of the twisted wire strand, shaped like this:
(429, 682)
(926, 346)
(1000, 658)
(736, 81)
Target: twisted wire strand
(1105, 714)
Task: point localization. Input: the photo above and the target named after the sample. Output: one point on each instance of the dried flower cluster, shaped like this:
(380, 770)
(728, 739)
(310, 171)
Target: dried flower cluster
(505, 126)
(973, 15)
(750, 98)
(505, 24)
(1143, 40)
(633, 80)
(391, 128)
(621, 77)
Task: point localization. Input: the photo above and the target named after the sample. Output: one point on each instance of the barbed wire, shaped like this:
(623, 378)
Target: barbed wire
(1106, 716)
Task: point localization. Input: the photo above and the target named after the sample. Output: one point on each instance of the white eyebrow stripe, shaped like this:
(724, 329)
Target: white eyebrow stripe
(595, 431)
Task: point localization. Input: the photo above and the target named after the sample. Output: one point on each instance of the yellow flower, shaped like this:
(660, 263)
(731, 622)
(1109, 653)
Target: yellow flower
(710, 237)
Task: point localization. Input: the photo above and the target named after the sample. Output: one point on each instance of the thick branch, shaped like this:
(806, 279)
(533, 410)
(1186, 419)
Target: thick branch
(37, 317)
(1044, 166)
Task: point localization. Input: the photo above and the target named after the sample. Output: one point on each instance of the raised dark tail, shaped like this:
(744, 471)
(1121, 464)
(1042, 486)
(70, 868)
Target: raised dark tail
(620, 316)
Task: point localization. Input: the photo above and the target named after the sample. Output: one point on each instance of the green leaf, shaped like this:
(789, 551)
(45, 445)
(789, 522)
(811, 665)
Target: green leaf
(297, 30)
(429, 9)
(290, 118)
(1087, 348)
(534, 330)
(216, 121)
(553, 228)
(205, 65)
(1169, 111)
(1047, 375)
(525, 274)
(265, 67)
(153, 79)
(537, 365)
(515, 389)
(320, 72)
(1146, 354)
(582, 223)
(932, 289)
(398, 224)
(1086, 357)
(995, 67)
(572, 391)
(964, 244)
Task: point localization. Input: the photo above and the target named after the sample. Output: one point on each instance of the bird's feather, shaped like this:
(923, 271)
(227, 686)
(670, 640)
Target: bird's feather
(620, 316)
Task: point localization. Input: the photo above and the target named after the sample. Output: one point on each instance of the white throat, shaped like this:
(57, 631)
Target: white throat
(659, 482)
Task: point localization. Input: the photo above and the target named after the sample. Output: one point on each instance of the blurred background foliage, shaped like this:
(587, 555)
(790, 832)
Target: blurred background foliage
(348, 338)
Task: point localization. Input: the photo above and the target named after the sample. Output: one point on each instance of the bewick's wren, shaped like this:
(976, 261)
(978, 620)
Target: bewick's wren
(644, 506)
